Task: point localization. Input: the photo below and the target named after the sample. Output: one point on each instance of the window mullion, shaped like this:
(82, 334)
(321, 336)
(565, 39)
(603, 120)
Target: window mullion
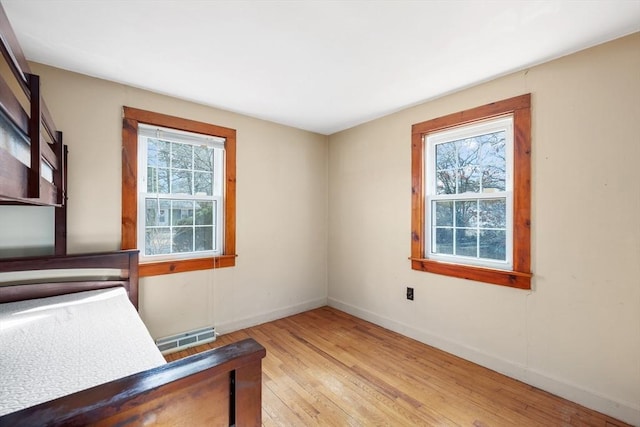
(478, 227)
(193, 173)
(456, 172)
(455, 228)
(193, 223)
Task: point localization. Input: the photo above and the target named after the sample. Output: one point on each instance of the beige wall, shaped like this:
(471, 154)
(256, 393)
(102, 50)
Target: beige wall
(281, 207)
(26, 231)
(577, 332)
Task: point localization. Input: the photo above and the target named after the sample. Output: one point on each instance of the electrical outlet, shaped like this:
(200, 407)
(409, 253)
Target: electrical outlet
(410, 293)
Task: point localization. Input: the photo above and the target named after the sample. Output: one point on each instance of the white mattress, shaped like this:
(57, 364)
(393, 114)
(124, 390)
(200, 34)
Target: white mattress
(55, 346)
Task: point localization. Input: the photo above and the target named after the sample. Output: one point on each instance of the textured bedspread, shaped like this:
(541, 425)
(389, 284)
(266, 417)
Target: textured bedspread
(55, 346)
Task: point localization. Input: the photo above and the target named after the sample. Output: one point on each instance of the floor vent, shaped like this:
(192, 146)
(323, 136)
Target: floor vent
(185, 340)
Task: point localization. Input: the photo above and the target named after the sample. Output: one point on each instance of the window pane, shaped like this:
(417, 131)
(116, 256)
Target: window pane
(152, 179)
(493, 179)
(493, 161)
(469, 180)
(180, 182)
(203, 157)
(182, 156)
(466, 213)
(204, 213)
(443, 241)
(493, 145)
(446, 156)
(444, 213)
(493, 213)
(468, 152)
(162, 186)
(445, 168)
(493, 244)
(183, 239)
(466, 242)
(157, 180)
(203, 182)
(157, 241)
(204, 238)
(156, 212)
(181, 212)
(446, 182)
(158, 153)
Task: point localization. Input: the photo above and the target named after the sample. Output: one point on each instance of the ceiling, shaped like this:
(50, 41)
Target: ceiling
(322, 66)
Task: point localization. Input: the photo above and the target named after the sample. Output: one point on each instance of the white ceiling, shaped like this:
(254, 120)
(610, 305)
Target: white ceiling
(322, 66)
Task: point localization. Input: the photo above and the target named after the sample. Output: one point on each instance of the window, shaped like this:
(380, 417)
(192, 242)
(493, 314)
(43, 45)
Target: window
(180, 201)
(178, 193)
(468, 194)
(471, 194)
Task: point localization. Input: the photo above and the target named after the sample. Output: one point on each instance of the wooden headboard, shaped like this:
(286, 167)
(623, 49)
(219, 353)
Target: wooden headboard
(33, 157)
(126, 262)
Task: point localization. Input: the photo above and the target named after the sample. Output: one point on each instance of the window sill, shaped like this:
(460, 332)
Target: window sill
(513, 279)
(183, 265)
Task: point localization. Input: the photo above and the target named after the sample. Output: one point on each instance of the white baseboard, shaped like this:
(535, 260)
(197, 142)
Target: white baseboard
(625, 411)
(249, 321)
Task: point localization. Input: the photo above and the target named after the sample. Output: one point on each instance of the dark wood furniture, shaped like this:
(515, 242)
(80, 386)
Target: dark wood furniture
(25, 118)
(219, 387)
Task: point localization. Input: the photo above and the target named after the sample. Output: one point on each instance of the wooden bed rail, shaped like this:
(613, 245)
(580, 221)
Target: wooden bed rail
(218, 387)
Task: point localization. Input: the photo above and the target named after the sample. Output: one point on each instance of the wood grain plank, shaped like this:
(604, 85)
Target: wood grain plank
(325, 367)
(129, 183)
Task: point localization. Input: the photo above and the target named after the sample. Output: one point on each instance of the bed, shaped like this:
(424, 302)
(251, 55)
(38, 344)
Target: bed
(33, 156)
(218, 387)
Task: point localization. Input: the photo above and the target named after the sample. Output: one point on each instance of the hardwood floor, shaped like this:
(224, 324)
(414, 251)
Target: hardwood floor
(325, 367)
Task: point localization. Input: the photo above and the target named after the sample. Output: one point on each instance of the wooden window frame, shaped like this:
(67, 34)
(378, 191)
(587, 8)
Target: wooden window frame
(133, 116)
(520, 274)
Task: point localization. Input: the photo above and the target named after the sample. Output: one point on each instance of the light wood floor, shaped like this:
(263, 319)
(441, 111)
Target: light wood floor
(325, 367)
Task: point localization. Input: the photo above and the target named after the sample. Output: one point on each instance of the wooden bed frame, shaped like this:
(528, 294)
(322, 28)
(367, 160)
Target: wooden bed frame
(218, 387)
(22, 184)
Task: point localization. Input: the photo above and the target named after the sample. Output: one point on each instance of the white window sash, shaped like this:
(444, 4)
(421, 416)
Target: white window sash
(154, 132)
(482, 262)
(182, 137)
(455, 134)
(218, 230)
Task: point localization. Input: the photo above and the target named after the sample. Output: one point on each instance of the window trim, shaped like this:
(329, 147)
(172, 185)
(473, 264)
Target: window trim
(520, 275)
(131, 118)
